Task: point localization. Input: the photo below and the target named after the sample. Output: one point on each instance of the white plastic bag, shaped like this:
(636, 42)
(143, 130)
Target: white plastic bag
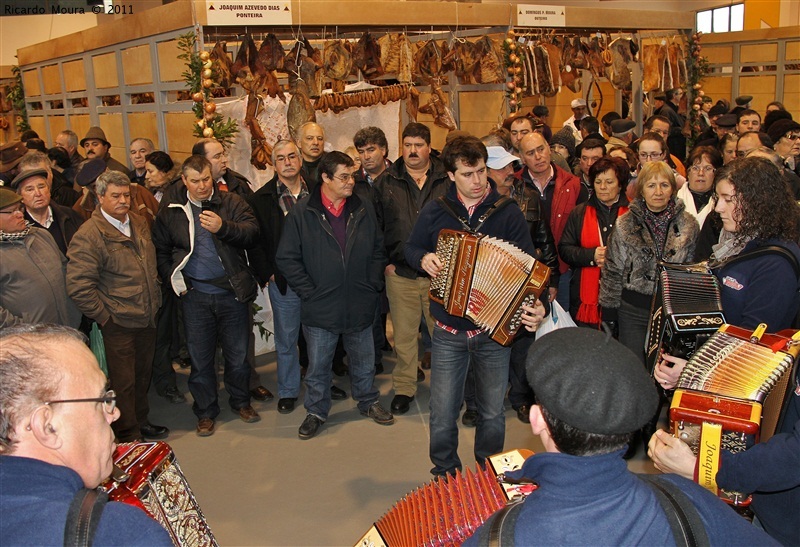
(265, 343)
(558, 319)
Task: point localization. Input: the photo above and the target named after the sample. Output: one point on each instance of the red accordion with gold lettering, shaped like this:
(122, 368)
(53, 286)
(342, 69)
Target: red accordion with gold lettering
(446, 511)
(729, 396)
(148, 476)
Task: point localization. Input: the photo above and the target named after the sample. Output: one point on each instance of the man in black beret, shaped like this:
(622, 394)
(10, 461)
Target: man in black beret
(592, 395)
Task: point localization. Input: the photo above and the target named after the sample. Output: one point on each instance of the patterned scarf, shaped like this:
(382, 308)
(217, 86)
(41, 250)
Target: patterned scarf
(658, 223)
(16, 236)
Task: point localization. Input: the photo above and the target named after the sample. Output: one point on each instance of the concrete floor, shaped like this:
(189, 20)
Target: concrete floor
(258, 484)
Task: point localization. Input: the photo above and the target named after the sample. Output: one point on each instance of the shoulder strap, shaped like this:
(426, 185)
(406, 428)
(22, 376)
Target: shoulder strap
(687, 526)
(83, 517)
(761, 251)
(498, 529)
(496, 206)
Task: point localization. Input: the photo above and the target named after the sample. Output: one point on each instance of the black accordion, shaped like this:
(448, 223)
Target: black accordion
(487, 280)
(686, 311)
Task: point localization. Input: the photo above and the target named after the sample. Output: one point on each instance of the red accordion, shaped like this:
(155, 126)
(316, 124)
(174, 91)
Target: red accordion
(719, 396)
(148, 476)
(446, 511)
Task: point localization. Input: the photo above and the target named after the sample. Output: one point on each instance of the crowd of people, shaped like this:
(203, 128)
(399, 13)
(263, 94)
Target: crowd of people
(166, 260)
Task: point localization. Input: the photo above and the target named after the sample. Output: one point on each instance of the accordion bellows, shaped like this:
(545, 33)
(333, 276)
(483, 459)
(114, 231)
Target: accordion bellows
(446, 511)
(487, 280)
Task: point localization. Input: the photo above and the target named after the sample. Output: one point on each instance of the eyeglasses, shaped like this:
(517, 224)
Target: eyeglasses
(650, 156)
(344, 177)
(700, 168)
(109, 400)
(792, 136)
(288, 157)
(19, 209)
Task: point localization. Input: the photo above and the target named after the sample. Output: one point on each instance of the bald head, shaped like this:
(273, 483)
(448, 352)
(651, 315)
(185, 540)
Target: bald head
(311, 140)
(535, 153)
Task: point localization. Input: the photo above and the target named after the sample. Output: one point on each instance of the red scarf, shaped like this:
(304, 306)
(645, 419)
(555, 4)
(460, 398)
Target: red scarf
(589, 311)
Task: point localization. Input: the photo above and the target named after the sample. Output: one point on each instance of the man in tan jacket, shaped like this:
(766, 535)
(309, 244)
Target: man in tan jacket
(112, 278)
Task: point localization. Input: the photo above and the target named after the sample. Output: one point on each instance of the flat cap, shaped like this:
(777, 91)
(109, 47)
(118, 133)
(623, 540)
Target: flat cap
(89, 172)
(25, 175)
(743, 100)
(590, 381)
(780, 128)
(621, 127)
(11, 154)
(8, 197)
(660, 97)
(727, 120)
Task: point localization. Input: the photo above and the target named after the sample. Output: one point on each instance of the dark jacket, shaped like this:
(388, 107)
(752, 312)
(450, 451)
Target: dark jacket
(529, 202)
(267, 209)
(68, 222)
(398, 202)
(62, 190)
(237, 183)
(339, 291)
(570, 248)
(171, 236)
(507, 223)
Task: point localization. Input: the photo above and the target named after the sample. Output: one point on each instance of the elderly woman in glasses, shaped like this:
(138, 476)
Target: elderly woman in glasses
(757, 210)
(696, 194)
(655, 228)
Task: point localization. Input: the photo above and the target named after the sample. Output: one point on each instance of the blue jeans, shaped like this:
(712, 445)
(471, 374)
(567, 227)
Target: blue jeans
(286, 317)
(451, 355)
(563, 289)
(361, 361)
(208, 318)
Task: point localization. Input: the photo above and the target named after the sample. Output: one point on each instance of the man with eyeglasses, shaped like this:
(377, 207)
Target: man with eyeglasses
(228, 180)
(751, 140)
(32, 271)
(332, 256)
(112, 278)
(56, 442)
(661, 126)
(271, 203)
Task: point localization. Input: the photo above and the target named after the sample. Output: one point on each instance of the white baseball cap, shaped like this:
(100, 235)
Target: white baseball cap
(499, 157)
(577, 103)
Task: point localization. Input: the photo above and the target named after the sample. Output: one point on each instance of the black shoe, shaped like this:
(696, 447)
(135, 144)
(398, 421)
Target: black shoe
(174, 396)
(470, 418)
(153, 432)
(401, 403)
(338, 394)
(260, 393)
(339, 368)
(183, 362)
(378, 414)
(378, 368)
(285, 406)
(309, 427)
(420, 375)
(387, 347)
(524, 414)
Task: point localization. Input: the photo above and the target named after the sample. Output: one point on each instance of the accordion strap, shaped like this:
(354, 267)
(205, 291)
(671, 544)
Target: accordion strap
(498, 530)
(760, 251)
(83, 517)
(496, 206)
(687, 526)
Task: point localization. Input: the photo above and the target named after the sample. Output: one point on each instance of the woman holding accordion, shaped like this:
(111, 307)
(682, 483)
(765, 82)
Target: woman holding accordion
(584, 241)
(758, 265)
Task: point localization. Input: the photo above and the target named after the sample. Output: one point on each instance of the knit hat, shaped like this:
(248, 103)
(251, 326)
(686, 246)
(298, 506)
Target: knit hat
(11, 154)
(773, 116)
(778, 129)
(89, 172)
(565, 138)
(8, 197)
(590, 381)
(25, 175)
(95, 133)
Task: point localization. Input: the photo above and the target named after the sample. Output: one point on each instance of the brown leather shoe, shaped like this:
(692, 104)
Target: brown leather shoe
(426, 361)
(260, 393)
(206, 427)
(248, 414)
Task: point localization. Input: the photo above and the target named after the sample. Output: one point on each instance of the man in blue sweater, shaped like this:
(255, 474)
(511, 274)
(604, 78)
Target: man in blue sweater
(592, 394)
(56, 438)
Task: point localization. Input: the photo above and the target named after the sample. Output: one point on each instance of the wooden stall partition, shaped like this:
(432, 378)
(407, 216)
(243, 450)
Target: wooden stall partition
(80, 124)
(481, 111)
(144, 125)
(105, 70)
(170, 67)
(74, 75)
(179, 134)
(137, 66)
(30, 82)
(57, 125)
(112, 126)
(51, 78)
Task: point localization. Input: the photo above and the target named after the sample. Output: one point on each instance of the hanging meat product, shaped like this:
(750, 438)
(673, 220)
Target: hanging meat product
(489, 69)
(405, 64)
(336, 60)
(271, 53)
(676, 59)
(304, 62)
(390, 54)
(248, 69)
(618, 73)
(300, 109)
(541, 76)
(367, 56)
(222, 64)
(653, 59)
(428, 61)
(463, 57)
(594, 56)
(437, 106)
(554, 68)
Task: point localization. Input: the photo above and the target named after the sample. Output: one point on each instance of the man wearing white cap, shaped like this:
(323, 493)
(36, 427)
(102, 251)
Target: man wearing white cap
(579, 111)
